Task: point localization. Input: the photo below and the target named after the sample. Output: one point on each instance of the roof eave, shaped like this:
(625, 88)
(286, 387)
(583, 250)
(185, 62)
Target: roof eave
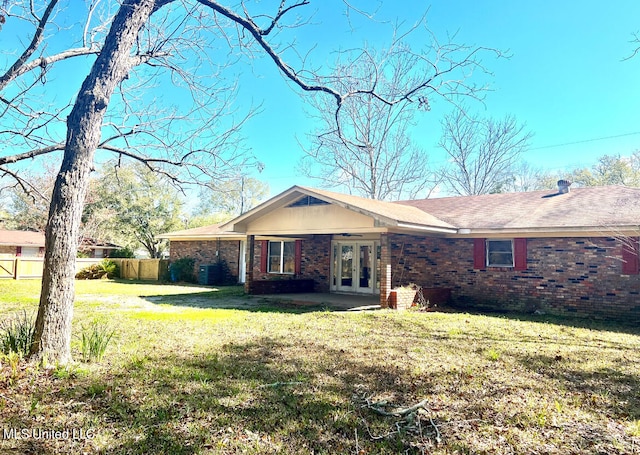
(235, 236)
(551, 231)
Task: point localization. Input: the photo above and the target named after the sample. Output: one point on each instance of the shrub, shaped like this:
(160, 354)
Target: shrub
(103, 270)
(182, 270)
(16, 335)
(126, 253)
(95, 340)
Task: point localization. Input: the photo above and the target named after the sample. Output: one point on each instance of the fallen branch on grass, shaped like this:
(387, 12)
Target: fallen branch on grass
(402, 412)
(279, 384)
(405, 413)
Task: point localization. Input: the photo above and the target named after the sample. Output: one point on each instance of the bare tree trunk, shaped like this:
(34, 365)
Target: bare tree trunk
(52, 339)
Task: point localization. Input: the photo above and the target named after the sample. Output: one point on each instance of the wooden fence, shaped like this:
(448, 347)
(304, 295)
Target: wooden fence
(17, 267)
(142, 269)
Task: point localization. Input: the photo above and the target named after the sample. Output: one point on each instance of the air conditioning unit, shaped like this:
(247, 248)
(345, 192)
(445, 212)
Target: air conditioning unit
(208, 274)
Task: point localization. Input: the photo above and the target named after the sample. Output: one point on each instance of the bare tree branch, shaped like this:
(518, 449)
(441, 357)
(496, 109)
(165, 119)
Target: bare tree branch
(259, 36)
(481, 152)
(30, 154)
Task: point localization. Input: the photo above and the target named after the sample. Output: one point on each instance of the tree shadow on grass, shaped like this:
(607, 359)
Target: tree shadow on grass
(247, 399)
(232, 298)
(629, 326)
(611, 390)
(297, 395)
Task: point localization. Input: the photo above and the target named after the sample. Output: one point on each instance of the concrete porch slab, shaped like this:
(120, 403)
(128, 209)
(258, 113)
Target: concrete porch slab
(332, 301)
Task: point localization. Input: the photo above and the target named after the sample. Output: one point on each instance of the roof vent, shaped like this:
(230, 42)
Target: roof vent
(563, 186)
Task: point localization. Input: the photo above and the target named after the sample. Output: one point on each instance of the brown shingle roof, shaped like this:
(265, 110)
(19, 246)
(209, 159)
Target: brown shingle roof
(588, 207)
(30, 238)
(21, 238)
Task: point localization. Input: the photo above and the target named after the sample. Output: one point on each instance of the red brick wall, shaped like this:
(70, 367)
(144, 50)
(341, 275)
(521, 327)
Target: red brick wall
(315, 262)
(581, 276)
(7, 250)
(204, 252)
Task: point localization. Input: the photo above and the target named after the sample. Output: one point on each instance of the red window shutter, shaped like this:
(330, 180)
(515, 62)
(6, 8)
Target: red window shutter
(479, 254)
(630, 256)
(18, 251)
(264, 255)
(520, 254)
(298, 257)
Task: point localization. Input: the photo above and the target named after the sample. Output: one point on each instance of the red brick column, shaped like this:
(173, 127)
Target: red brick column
(385, 270)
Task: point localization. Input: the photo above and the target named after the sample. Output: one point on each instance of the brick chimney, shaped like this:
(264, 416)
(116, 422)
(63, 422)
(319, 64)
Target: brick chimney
(563, 186)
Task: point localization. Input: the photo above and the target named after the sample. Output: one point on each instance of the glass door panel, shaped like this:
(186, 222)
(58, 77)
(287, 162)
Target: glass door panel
(364, 267)
(346, 266)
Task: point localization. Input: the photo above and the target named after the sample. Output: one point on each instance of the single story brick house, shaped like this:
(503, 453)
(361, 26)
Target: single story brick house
(21, 243)
(570, 251)
(31, 244)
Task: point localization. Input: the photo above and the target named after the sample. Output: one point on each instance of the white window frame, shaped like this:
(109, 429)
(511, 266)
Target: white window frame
(281, 262)
(490, 251)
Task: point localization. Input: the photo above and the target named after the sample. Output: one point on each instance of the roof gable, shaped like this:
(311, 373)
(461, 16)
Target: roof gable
(384, 214)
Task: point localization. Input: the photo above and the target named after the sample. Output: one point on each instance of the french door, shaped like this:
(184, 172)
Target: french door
(354, 267)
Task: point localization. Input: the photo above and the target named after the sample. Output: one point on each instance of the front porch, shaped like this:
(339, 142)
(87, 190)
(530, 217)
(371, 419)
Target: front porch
(324, 268)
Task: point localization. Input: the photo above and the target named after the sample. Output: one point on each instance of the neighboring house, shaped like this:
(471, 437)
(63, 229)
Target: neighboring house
(564, 252)
(97, 249)
(31, 244)
(21, 243)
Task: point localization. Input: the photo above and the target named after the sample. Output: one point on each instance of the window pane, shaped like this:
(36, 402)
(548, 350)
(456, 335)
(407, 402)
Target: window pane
(274, 256)
(289, 257)
(365, 266)
(503, 246)
(346, 274)
(500, 253)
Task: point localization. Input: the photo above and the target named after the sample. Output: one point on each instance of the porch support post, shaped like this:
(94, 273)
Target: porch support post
(248, 274)
(385, 270)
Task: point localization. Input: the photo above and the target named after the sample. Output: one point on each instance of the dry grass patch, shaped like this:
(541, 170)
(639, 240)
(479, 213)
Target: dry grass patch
(221, 373)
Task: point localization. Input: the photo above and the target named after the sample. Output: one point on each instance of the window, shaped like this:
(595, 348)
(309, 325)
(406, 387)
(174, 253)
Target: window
(282, 257)
(499, 253)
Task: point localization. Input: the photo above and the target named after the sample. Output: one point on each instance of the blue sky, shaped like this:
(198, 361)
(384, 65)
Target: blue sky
(566, 77)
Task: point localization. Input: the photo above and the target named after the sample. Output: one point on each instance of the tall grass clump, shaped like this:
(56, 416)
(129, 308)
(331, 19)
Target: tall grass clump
(95, 338)
(16, 335)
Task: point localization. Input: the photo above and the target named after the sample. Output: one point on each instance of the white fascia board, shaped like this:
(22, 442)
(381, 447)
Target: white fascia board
(419, 227)
(574, 231)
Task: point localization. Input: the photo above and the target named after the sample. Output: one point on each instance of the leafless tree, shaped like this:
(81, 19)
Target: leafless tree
(481, 152)
(149, 43)
(365, 146)
(234, 198)
(525, 177)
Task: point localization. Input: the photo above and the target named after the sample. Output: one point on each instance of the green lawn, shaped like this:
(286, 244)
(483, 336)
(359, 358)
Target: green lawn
(193, 370)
